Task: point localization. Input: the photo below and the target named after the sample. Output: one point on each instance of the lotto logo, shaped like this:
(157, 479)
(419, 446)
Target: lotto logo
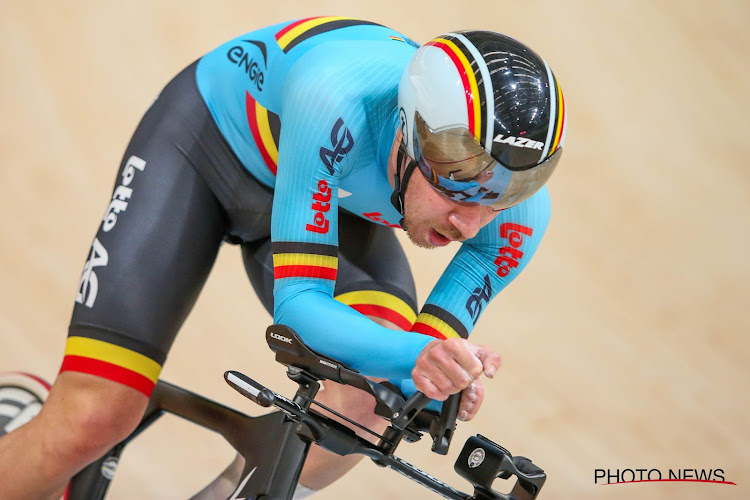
(320, 205)
(89, 285)
(378, 217)
(122, 192)
(509, 256)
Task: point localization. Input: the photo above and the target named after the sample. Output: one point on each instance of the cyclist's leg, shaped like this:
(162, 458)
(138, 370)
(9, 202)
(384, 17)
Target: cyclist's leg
(150, 257)
(373, 277)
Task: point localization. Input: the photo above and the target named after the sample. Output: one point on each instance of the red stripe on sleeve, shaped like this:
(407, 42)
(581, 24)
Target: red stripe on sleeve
(420, 327)
(383, 313)
(109, 371)
(327, 273)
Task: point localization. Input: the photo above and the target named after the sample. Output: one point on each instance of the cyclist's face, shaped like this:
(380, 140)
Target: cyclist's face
(432, 220)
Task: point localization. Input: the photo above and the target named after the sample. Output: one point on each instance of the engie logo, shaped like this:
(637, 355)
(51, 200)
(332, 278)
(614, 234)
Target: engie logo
(341, 141)
(320, 205)
(624, 476)
(511, 255)
(238, 56)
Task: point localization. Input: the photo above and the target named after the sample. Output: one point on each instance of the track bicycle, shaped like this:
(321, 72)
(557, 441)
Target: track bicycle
(275, 445)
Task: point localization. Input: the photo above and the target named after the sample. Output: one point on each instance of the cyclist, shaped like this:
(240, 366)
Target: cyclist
(299, 142)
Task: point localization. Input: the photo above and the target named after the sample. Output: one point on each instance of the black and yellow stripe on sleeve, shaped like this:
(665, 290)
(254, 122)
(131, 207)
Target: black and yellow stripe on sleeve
(439, 323)
(299, 31)
(304, 260)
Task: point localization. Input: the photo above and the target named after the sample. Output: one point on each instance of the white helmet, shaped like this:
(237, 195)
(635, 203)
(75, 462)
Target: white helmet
(482, 116)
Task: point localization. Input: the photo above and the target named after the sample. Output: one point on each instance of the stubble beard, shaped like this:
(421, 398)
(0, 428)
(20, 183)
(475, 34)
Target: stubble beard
(409, 226)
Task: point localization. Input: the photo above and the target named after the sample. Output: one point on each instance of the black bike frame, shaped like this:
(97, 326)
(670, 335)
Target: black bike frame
(275, 445)
(268, 442)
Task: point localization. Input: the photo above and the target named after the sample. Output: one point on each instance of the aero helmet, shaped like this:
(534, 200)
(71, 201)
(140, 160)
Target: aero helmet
(483, 117)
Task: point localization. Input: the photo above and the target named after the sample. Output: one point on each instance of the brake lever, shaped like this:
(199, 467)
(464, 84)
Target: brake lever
(413, 405)
(442, 427)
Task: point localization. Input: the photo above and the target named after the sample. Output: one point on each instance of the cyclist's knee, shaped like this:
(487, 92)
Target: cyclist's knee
(91, 414)
(352, 402)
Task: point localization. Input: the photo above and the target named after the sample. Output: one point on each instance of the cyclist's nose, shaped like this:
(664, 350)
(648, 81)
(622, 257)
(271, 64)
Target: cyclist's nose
(467, 220)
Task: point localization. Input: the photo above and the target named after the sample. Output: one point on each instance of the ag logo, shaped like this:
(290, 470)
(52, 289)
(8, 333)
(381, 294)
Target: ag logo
(341, 141)
(478, 297)
(89, 285)
(476, 458)
(402, 121)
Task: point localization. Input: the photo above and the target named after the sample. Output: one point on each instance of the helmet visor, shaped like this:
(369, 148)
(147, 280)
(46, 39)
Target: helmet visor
(459, 167)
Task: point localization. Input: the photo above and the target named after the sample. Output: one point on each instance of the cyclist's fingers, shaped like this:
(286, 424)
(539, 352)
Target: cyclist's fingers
(438, 362)
(458, 362)
(471, 401)
(463, 352)
(448, 379)
(426, 386)
(489, 359)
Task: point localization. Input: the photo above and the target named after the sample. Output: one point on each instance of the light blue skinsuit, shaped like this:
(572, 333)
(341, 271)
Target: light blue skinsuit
(310, 109)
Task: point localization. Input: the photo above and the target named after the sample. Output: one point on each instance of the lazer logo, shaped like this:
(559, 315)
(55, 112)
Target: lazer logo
(321, 205)
(341, 141)
(511, 255)
(238, 56)
(378, 217)
(281, 338)
(478, 297)
(326, 363)
(518, 142)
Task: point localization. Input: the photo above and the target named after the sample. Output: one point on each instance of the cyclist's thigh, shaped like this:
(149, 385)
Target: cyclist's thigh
(373, 276)
(154, 248)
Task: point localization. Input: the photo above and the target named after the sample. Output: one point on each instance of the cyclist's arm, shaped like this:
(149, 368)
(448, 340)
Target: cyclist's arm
(319, 126)
(481, 268)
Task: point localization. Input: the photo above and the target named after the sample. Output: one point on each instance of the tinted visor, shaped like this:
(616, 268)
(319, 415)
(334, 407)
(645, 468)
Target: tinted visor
(458, 166)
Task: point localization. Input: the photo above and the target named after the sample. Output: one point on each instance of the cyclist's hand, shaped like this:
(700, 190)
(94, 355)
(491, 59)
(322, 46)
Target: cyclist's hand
(471, 401)
(445, 367)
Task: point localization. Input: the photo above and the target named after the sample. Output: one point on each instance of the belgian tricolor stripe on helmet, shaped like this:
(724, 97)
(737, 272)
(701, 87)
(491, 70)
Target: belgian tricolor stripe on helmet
(464, 60)
(110, 361)
(556, 131)
(265, 127)
(380, 305)
(304, 260)
(439, 323)
(559, 121)
(299, 31)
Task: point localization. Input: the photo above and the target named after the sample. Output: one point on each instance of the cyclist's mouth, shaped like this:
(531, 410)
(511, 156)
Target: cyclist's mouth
(438, 239)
